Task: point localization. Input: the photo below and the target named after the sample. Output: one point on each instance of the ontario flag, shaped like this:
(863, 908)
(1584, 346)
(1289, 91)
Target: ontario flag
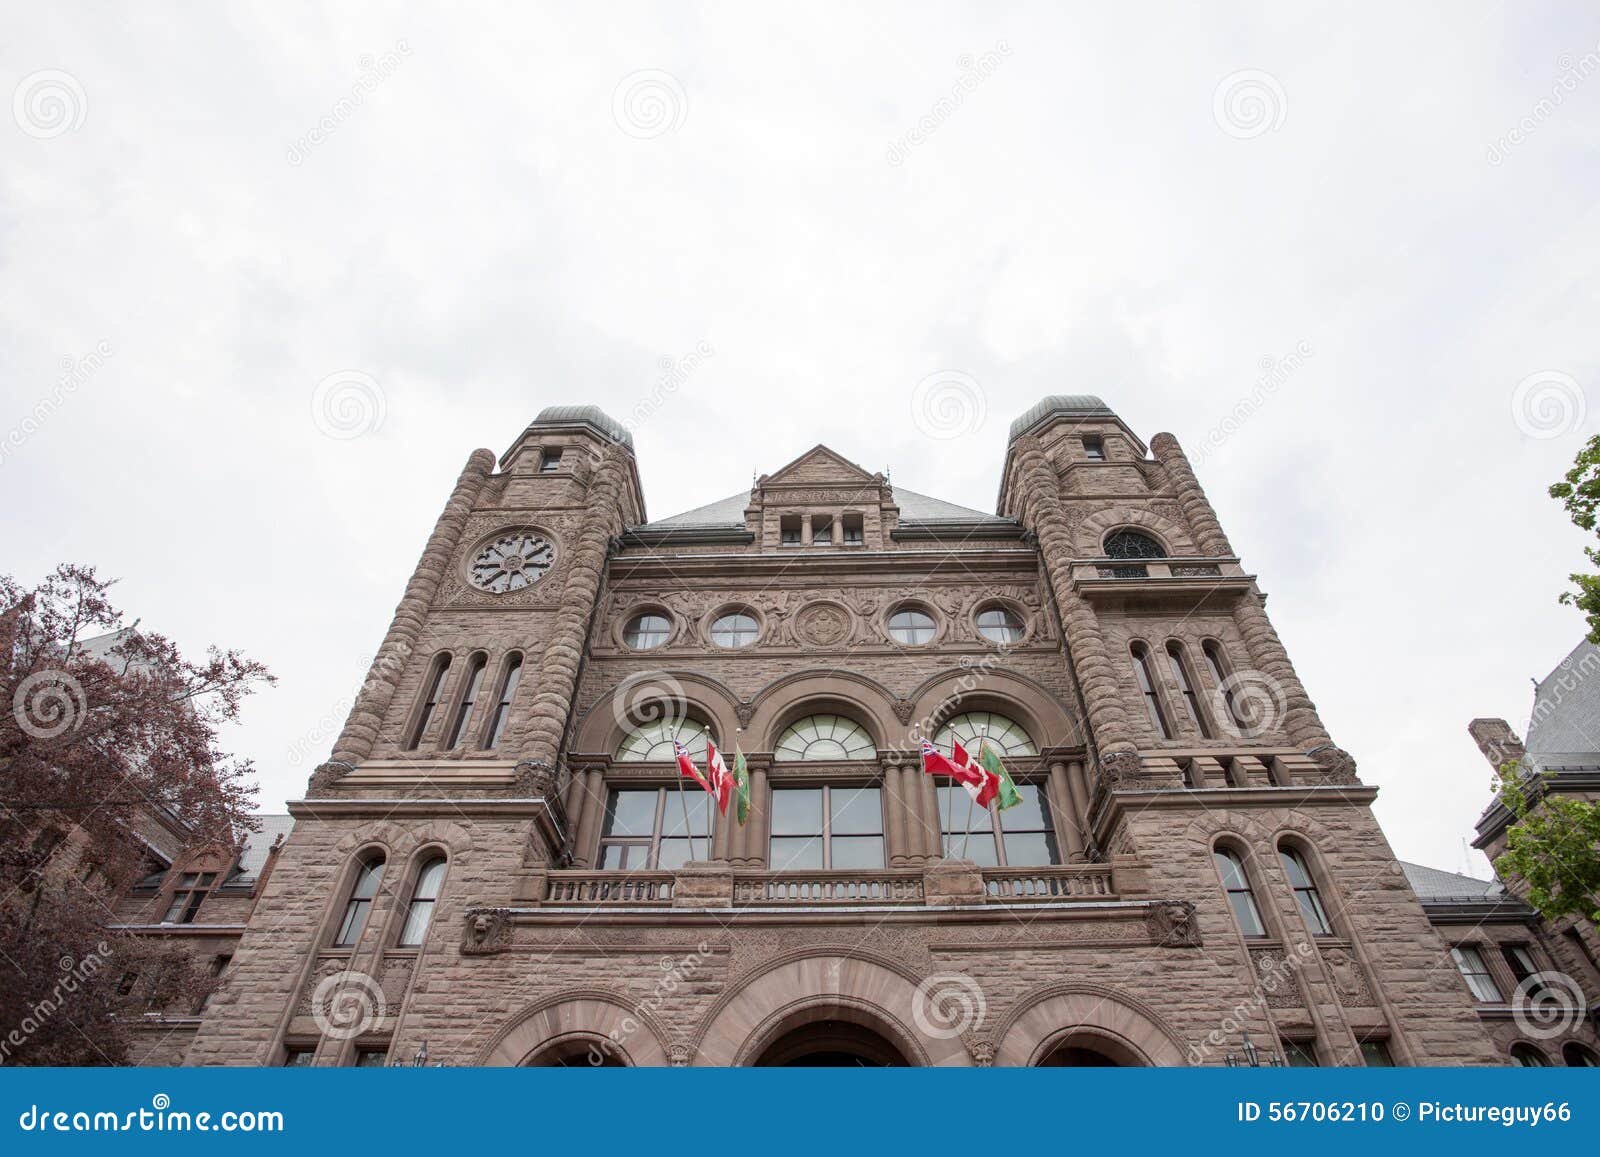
(722, 783)
(981, 783)
(686, 766)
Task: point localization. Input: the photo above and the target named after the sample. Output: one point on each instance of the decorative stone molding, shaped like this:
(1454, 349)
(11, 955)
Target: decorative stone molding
(952, 882)
(1173, 924)
(1337, 764)
(487, 932)
(327, 775)
(980, 1049)
(703, 884)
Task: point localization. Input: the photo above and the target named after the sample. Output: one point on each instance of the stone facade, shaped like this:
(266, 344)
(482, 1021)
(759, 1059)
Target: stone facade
(1099, 620)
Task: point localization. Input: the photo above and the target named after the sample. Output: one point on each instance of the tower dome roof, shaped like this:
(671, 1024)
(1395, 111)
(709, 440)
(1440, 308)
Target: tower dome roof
(590, 415)
(1064, 404)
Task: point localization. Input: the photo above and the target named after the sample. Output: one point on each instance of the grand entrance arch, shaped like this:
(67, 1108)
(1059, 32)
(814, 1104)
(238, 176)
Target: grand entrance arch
(824, 1010)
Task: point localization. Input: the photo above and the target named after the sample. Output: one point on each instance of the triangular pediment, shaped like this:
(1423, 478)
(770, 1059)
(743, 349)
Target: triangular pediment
(819, 466)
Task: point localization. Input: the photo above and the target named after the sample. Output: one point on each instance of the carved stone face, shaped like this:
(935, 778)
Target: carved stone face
(481, 925)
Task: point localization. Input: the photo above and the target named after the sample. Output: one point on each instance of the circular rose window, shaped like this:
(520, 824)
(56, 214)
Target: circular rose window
(511, 562)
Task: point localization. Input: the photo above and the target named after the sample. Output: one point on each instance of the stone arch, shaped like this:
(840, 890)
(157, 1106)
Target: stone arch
(1098, 1017)
(578, 1014)
(600, 730)
(859, 987)
(1048, 721)
(1171, 534)
(803, 693)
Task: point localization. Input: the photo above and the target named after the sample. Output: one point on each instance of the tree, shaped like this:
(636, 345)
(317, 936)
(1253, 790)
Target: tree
(1552, 847)
(95, 744)
(1580, 494)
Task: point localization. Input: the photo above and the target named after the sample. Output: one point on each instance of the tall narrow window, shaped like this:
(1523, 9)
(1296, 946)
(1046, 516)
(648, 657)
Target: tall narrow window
(360, 903)
(550, 460)
(1240, 898)
(852, 525)
(469, 696)
(789, 530)
(1094, 448)
(1147, 688)
(423, 897)
(1525, 970)
(1180, 676)
(1301, 1054)
(1219, 675)
(502, 707)
(1376, 1055)
(1476, 973)
(1305, 891)
(430, 700)
(821, 530)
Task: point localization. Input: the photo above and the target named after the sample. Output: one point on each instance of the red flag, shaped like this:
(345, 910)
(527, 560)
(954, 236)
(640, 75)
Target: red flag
(721, 777)
(686, 766)
(981, 784)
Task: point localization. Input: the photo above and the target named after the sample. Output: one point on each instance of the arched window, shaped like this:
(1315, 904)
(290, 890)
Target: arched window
(1179, 663)
(1240, 898)
(502, 707)
(469, 696)
(1146, 678)
(360, 902)
(1528, 1057)
(652, 742)
(430, 700)
(1577, 1057)
(1305, 891)
(912, 627)
(1132, 544)
(999, 625)
(646, 632)
(736, 629)
(423, 897)
(824, 737)
(1218, 664)
(1004, 735)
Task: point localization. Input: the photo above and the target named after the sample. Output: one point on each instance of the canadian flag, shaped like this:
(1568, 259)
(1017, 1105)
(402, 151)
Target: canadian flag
(721, 777)
(981, 783)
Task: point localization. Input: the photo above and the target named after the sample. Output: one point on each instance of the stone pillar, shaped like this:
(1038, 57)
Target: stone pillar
(1039, 493)
(1069, 824)
(1208, 535)
(918, 827)
(593, 791)
(389, 664)
(900, 838)
(756, 830)
(930, 815)
(539, 737)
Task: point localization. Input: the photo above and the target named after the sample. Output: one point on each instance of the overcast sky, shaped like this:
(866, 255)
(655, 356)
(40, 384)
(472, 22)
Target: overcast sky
(214, 224)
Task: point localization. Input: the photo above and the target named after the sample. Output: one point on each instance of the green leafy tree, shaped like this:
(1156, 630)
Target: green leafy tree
(1580, 494)
(1552, 848)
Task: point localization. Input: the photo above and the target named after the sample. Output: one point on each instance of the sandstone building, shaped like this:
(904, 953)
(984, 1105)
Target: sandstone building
(497, 864)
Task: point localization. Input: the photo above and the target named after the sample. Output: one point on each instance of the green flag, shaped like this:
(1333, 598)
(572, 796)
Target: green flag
(741, 780)
(991, 762)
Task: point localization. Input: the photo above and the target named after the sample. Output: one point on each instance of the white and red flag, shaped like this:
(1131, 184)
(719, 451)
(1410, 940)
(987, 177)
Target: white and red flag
(686, 767)
(981, 783)
(722, 784)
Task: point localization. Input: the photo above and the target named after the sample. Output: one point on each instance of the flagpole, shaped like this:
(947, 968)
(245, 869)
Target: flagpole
(971, 800)
(688, 828)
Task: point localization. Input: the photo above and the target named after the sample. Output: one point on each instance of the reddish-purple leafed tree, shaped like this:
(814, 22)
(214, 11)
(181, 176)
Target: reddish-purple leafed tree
(95, 743)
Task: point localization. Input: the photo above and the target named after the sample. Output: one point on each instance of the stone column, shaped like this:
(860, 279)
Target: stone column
(930, 815)
(918, 827)
(756, 830)
(1039, 494)
(1069, 824)
(539, 737)
(389, 664)
(1267, 653)
(899, 838)
(592, 788)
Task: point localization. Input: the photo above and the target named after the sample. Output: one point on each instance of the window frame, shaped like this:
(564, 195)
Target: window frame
(1144, 677)
(946, 797)
(345, 933)
(1221, 671)
(1094, 448)
(466, 698)
(409, 937)
(1245, 888)
(1460, 954)
(431, 693)
(1307, 896)
(827, 835)
(1013, 625)
(739, 643)
(932, 626)
(633, 630)
(188, 893)
(510, 680)
(1188, 687)
(550, 459)
(658, 828)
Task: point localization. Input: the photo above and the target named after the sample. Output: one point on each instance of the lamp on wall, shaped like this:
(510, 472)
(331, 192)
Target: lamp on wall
(1253, 1057)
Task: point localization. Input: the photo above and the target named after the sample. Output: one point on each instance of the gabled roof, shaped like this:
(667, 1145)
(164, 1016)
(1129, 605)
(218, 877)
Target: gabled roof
(257, 845)
(914, 507)
(820, 465)
(1566, 710)
(1434, 884)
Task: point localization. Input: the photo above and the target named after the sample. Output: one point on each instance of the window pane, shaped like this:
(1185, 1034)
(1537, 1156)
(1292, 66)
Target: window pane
(677, 852)
(698, 805)
(793, 853)
(371, 1059)
(797, 811)
(1031, 815)
(416, 925)
(1244, 911)
(367, 881)
(1376, 1054)
(429, 880)
(615, 857)
(1230, 870)
(632, 813)
(857, 851)
(856, 810)
(1299, 1054)
(1031, 850)
(979, 849)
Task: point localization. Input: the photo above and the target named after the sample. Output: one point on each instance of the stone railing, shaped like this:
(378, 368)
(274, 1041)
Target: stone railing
(610, 888)
(827, 887)
(1069, 882)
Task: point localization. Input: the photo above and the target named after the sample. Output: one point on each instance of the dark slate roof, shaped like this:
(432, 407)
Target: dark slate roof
(914, 507)
(257, 845)
(592, 415)
(1071, 405)
(1564, 728)
(1435, 884)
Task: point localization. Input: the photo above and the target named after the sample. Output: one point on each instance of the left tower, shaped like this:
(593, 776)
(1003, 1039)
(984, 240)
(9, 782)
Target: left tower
(451, 755)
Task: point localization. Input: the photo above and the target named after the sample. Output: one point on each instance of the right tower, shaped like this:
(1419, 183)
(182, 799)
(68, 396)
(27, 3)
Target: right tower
(1207, 758)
